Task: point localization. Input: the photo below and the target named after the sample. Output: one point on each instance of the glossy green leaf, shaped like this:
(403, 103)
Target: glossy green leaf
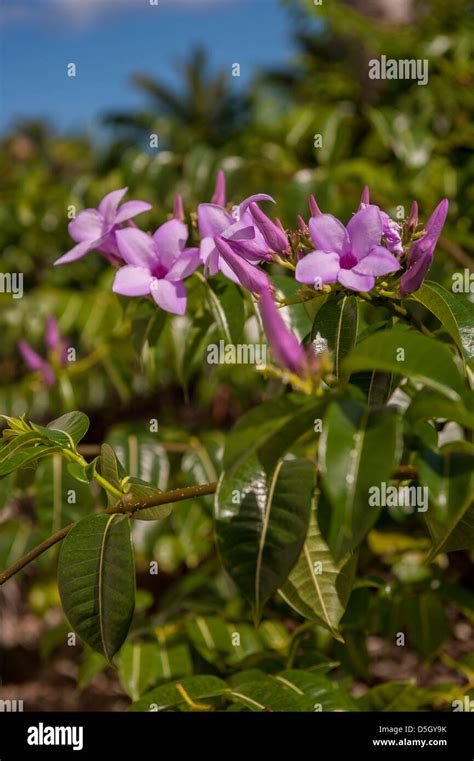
(318, 588)
(455, 313)
(429, 405)
(269, 694)
(325, 694)
(227, 308)
(359, 449)
(97, 581)
(335, 328)
(410, 354)
(449, 477)
(167, 696)
(74, 424)
(270, 429)
(261, 522)
(28, 456)
(143, 664)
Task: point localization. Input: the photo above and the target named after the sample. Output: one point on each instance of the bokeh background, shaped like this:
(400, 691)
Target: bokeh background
(167, 70)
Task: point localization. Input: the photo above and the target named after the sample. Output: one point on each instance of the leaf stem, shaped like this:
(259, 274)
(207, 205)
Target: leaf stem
(128, 504)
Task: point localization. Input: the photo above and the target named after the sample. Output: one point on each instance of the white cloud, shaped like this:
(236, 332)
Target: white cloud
(84, 12)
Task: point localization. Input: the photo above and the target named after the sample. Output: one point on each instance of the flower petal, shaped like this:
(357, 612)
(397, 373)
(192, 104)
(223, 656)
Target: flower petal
(88, 225)
(253, 199)
(328, 234)
(169, 296)
(108, 206)
(412, 279)
(130, 209)
(317, 264)
(219, 191)
(213, 219)
(365, 231)
(378, 262)
(136, 247)
(283, 343)
(77, 252)
(32, 359)
(249, 276)
(170, 239)
(185, 264)
(132, 281)
(52, 336)
(350, 279)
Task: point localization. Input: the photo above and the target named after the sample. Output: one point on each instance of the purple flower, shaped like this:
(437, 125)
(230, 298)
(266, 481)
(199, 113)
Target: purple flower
(422, 250)
(274, 236)
(285, 346)
(243, 272)
(156, 265)
(57, 351)
(240, 230)
(96, 228)
(351, 256)
(390, 229)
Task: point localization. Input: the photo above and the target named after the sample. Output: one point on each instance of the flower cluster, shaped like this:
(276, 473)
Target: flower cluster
(237, 240)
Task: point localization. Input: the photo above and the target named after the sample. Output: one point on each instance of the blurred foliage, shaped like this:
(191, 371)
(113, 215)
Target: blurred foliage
(405, 141)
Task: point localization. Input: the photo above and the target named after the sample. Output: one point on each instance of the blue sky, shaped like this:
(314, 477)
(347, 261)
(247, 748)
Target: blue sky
(108, 40)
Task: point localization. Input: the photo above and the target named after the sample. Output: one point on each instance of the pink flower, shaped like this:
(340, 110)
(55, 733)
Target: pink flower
(57, 350)
(351, 256)
(96, 228)
(156, 265)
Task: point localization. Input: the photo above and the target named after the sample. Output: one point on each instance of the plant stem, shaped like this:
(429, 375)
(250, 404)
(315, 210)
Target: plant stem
(128, 504)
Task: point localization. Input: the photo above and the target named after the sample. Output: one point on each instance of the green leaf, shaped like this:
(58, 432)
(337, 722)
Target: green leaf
(449, 477)
(143, 664)
(97, 581)
(335, 328)
(142, 490)
(213, 638)
(168, 696)
(203, 463)
(423, 359)
(53, 437)
(261, 522)
(227, 308)
(111, 469)
(74, 424)
(78, 472)
(428, 626)
(429, 405)
(295, 316)
(270, 429)
(25, 457)
(318, 588)
(325, 694)
(359, 448)
(395, 696)
(455, 313)
(60, 498)
(92, 665)
(269, 694)
(140, 455)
